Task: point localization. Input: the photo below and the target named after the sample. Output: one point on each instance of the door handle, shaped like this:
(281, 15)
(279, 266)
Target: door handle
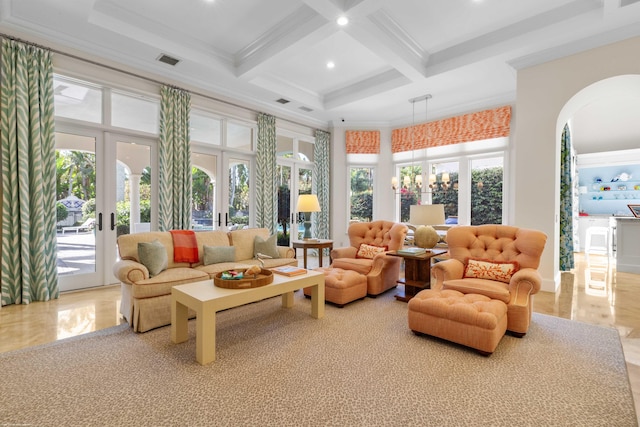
(226, 219)
(113, 221)
(100, 221)
(219, 219)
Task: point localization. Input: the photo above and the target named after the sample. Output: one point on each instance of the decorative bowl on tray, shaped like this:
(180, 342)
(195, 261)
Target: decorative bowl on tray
(245, 281)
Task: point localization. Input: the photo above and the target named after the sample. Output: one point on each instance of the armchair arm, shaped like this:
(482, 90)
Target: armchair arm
(130, 272)
(524, 282)
(446, 270)
(345, 252)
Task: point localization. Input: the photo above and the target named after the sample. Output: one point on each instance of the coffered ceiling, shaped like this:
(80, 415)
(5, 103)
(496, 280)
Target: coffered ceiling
(256, 52)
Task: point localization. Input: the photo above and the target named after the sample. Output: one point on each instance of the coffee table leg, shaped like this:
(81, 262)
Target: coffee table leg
(206, 336)
(179, 322)
(317, 300)
(287, 299)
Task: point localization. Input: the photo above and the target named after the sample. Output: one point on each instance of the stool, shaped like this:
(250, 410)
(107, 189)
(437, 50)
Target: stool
(341, 286)
(589, 247)
(472, 320)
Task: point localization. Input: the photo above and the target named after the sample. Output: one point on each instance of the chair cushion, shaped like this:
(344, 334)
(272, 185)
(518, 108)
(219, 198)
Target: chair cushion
(500, 271)
(489, 288)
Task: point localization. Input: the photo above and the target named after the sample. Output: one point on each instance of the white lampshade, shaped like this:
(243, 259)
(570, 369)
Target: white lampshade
(308, 203)
(426, 214)
(445, 177)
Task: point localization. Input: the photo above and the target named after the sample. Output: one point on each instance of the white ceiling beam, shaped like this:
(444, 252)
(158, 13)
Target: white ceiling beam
(292, 34)
(388, 80)
(120, 21)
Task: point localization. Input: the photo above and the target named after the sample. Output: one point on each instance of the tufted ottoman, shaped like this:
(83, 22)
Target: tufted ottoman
(472, 320)
(342, 286)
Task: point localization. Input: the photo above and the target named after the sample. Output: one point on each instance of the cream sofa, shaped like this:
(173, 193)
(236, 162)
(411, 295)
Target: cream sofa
(146, 301)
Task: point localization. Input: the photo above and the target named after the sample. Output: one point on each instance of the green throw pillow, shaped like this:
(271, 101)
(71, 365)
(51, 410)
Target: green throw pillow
(267, 247)
(217, 254)
(153, 255)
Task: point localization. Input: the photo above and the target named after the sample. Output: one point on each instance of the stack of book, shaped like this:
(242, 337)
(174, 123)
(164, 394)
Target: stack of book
(288, 270)
(412, 250)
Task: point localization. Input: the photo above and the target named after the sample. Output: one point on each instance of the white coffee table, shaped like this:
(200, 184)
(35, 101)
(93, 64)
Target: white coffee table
(206, 300)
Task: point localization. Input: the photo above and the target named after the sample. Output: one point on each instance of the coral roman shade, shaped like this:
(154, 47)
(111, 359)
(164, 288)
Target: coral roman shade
(362, 141)
(469, 127)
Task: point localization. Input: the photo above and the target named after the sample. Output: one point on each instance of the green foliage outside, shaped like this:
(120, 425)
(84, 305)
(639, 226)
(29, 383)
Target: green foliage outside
(61, 212)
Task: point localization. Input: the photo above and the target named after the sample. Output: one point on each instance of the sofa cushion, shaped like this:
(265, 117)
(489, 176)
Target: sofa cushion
(369, 251)
(267, 247)
(244, 239)
(163, 282)
(153, 255)
(500, 271)
(218, 254)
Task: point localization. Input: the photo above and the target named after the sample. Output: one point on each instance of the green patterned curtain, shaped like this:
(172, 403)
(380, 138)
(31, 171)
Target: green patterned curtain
(174, 162)
(566, 203)
(28, 271)
(266, 183)
(320, 185)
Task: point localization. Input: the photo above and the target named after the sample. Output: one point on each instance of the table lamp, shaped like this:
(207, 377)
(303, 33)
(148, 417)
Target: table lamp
(307, 203)
(423, 217)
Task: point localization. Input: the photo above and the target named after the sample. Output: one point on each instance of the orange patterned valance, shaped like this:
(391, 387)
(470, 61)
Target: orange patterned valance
(469, 127)
(362, 141)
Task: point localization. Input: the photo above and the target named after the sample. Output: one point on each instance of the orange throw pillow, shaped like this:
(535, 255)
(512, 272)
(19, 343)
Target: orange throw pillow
(500, 271)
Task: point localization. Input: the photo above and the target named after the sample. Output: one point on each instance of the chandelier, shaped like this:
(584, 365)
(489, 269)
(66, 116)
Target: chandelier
(412, 178)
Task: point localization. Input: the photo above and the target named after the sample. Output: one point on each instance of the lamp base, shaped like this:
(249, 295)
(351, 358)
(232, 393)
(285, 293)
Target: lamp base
(307, 230)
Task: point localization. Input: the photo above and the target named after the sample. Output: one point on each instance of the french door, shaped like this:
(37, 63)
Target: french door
(292, 180)
(106, 185)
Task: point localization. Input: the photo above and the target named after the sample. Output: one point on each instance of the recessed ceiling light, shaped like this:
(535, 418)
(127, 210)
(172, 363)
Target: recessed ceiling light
(331, 64)
(342, 21)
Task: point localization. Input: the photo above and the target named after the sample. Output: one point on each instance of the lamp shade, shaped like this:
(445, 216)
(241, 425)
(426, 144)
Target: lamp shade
(426, 214)
(308, 203)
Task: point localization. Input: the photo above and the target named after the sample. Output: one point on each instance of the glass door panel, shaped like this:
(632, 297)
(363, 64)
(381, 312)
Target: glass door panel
(238, 212)
(133, 175)
(76, 192)
(205, 207)
(286, 220)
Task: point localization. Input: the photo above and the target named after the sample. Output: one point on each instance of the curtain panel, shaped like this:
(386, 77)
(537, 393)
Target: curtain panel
(469, 127)
(266, 185)
(566, 202)
(320, 184)
(174, 160)
(362, 141)
(28, 271)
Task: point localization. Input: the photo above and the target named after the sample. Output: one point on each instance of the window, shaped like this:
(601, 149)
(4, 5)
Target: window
(205, 129)
(78, 100)
(239, 136)
(487, 176)
(361, 196)
(445, 188)
(135, 112)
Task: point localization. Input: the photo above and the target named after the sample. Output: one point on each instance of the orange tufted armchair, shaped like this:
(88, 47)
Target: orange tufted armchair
(505, 247)
(382, 271)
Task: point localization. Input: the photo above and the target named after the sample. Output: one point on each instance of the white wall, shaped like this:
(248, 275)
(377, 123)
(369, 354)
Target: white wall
(543, 92)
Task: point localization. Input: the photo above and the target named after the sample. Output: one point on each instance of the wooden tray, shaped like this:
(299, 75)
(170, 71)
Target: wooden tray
(263, 278)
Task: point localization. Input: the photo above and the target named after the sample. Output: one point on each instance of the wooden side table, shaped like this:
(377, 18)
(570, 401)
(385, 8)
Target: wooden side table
(312, 244)
(417, 272)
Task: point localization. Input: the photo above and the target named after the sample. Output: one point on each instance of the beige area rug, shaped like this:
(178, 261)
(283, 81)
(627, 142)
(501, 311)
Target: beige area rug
(358, 366)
